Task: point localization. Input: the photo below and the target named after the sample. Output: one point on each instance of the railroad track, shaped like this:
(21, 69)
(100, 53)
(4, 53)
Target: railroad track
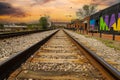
(14, 34)
(61, 58)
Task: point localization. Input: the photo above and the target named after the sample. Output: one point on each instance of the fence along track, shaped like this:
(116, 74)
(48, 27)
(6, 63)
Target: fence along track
(58, 59)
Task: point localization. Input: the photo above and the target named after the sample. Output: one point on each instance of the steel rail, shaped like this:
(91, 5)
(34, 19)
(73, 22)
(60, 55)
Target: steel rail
(112, 71)
(14, 34)
(10, 65)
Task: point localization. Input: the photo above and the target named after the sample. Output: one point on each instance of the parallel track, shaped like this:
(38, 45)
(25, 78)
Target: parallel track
(14, 34)
(61, 58)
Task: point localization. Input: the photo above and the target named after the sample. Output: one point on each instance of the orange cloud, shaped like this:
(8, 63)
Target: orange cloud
(60, 10)
(40, 2)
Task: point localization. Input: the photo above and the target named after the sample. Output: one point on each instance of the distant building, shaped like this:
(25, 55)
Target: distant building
(80, 24)
(86, 24)
(63, 24)
(76, 24)
(14, 27)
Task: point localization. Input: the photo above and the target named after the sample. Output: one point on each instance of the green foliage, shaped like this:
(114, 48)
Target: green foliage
(1, 26)
(53, 26)
(86, 10)
(110, 43)
(23, 24)
(34, 26)
(43, 22)
(72, 21)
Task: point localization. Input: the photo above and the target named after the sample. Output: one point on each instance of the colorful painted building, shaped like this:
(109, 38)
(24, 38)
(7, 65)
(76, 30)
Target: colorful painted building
(107, 19)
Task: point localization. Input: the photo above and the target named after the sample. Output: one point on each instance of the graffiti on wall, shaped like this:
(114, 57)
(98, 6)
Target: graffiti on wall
(103, 24)
(107, 23)
(116, 25)
(92, 23)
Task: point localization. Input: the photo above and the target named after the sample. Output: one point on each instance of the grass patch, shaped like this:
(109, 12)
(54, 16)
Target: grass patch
(109, 43)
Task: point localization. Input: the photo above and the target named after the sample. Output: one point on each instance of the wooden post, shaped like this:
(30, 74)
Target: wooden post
(113, 35)
(100, 34)
(92, 33)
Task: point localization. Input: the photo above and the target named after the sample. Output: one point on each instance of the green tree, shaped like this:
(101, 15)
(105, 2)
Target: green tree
(1, 26)
(43, 22)
(86, 10)
(34, 26)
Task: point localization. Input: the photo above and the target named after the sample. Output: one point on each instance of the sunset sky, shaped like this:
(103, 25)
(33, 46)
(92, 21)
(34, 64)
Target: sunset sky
(32, 10)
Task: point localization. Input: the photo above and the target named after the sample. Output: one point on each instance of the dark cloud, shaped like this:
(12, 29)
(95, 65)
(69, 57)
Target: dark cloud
(8, 9)
(105, 2)
(40, 2)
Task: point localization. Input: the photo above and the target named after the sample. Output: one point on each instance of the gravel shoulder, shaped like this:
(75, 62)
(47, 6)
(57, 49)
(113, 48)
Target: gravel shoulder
(15, 45)
(109, 54)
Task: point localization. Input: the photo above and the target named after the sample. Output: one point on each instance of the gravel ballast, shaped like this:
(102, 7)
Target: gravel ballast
(110, 55)
(15, 45)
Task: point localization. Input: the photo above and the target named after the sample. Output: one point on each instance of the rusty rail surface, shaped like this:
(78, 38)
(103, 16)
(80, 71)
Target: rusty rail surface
(10, 65)
(15, 61)
(112, 71)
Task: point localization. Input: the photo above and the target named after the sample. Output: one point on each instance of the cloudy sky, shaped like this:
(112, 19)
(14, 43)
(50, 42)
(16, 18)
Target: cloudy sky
(32, 10)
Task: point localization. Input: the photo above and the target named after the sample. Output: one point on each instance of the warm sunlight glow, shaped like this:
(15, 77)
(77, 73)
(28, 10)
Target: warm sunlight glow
(32, 10)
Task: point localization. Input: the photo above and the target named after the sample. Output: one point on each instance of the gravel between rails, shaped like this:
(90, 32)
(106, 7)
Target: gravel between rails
(110, 55)
(59, 59)
(14, 45)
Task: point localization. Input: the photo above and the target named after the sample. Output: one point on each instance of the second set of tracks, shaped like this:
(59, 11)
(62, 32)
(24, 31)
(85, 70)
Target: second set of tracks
(60, 58)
